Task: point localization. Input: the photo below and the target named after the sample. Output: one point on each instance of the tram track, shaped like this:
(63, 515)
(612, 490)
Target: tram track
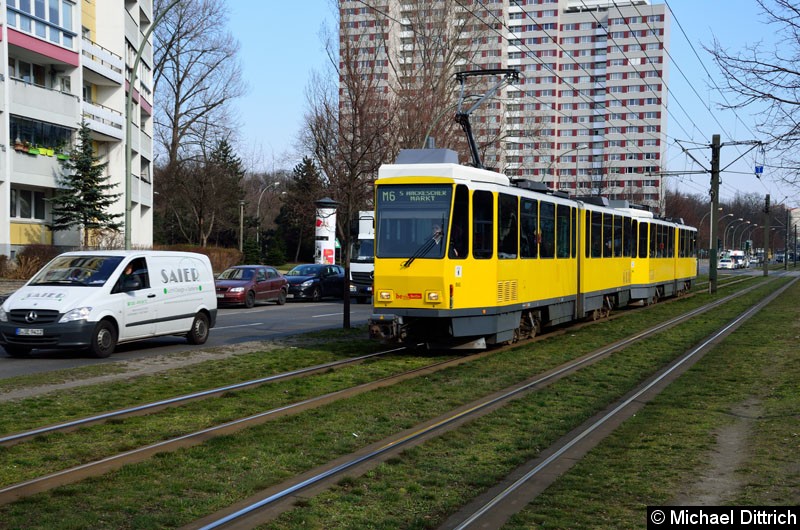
(14, 492)
(155, 406)
(512, 495)
(274, 501)
(11, 439)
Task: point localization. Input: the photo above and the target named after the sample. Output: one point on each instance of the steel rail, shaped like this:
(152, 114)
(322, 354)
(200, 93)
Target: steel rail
(20, 490)
(478, 406)
(21, 436)
(703, 347)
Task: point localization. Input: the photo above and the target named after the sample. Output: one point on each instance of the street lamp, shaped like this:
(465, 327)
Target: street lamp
(129, 120)
(241, 226)
(725, 231)
(741, 237)
(258, 209)
(733, 234)
(700, 225)
(574, 149)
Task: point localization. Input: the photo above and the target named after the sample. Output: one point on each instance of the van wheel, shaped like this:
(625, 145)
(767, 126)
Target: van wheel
(199, 332)
(250, 299)
(17, 351)
(282, 297)
(104, 339)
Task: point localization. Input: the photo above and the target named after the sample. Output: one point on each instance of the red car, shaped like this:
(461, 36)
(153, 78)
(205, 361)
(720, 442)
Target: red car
(248, 284)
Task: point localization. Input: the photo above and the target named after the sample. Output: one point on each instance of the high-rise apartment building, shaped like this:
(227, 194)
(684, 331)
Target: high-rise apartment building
(66, 61)
(588, 114)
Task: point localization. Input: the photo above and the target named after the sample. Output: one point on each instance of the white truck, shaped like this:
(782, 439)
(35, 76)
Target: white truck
(362, 258)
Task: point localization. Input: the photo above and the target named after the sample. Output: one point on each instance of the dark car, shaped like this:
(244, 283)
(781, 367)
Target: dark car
(314, 282)
(248, 284)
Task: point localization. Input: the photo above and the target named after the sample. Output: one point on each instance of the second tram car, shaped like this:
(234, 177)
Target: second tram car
(466, 258)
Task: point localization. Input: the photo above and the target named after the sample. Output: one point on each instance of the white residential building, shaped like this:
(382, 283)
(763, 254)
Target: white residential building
(589, 113)
(65, 61)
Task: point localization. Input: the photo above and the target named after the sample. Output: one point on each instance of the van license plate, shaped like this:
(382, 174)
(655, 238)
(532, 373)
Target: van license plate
(30, 331)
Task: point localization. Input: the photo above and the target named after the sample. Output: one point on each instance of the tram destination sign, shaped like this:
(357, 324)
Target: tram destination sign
(421, 195)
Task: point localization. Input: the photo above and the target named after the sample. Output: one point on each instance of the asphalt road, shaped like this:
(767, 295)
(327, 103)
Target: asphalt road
(234, 325)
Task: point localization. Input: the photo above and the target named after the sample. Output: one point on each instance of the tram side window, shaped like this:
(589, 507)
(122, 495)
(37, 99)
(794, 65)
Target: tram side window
(608, 235)
(547, 224)
(692, 244)
(629, 246)
(653, 240)
(459, 232)
(529, 233)
(597, 234)
(681, 243)
(482, 224)
(618, 236)
(573, 231)
(507, 226)
(643, 228)
(670, 241)
(562, 231)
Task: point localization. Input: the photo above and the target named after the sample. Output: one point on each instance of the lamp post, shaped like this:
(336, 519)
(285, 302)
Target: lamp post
(700, 225)
(741, 237)
(258, 209)
(725, 231)
(574, 149)
(733, 233)
(241, 226)
(129, 119)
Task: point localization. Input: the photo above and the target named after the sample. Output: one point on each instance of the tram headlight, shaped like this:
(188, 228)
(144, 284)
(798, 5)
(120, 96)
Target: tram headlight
(434, 297)
(385, 295)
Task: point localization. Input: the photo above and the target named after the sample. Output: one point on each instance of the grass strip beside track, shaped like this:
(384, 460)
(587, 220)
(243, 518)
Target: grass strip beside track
(663, 454)
(175, 489)
(424, 485)
(50, 453)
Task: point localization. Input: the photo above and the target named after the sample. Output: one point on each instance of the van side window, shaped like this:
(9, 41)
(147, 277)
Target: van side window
(136, 269)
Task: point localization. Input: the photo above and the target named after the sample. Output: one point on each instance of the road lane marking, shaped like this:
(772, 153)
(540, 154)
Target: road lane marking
(239, 326)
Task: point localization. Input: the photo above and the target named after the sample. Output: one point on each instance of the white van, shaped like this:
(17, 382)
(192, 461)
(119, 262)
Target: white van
(96, 300)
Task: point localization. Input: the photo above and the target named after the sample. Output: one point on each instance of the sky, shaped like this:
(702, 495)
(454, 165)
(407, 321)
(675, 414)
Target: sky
(281, 46)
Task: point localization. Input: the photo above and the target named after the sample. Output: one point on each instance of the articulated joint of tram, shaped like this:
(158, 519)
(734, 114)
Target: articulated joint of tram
(387, 328)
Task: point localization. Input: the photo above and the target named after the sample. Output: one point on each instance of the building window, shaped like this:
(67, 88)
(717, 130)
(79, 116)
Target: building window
(27, 204)
(26, 72)
(46, 19)
(38, 133)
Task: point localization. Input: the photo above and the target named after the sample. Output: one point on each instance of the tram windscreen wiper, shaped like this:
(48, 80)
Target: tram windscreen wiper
(435, 239)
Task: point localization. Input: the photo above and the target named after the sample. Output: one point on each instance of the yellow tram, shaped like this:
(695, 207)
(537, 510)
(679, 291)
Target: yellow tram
(464, 257)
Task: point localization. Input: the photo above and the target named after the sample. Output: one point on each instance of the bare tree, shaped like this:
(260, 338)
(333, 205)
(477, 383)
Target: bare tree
(768, 77)
(196, 75)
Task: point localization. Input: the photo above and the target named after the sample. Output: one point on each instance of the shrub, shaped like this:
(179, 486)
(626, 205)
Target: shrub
(221, 258)
(32, 258)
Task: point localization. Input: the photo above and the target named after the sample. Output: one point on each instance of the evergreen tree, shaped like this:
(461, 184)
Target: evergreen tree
(84, 195)
(299, 213)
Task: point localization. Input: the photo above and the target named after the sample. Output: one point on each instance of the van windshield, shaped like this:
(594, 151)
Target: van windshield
(85, 270)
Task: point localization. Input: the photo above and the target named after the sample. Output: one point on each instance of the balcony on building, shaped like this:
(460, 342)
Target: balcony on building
(106, 124)
(45, 104)
(103, 67)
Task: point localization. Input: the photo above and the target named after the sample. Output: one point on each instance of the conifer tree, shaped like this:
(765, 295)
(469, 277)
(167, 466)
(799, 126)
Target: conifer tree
(84, 195)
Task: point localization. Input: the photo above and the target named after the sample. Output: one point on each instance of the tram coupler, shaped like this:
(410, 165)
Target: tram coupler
(387, 328)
